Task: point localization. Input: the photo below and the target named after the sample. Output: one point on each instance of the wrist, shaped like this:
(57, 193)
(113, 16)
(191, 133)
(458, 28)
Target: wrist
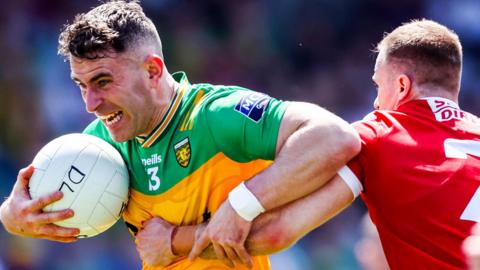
(173, 233)
(183, 239)
(245, 203)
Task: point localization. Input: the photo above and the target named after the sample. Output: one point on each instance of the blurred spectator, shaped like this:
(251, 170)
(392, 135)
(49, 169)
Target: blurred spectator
(368, 250)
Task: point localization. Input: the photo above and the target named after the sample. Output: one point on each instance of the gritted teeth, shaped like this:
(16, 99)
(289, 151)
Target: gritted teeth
(108, 116)
(112, 118)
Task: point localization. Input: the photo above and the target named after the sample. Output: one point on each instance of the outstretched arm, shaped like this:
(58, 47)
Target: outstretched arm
(312, 145)
(20, 215)
(275, 231)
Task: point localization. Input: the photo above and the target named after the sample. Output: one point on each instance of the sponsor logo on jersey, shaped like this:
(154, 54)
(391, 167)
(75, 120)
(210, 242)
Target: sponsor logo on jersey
(152, 160)
(445, 109)
(183, 152)
(253, 105)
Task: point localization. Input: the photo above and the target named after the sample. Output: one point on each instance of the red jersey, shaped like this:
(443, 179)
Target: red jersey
(419, 168)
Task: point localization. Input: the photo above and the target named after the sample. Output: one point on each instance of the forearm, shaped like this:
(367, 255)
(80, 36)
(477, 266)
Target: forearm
(310, 151)
(183, 240)
(274, 231)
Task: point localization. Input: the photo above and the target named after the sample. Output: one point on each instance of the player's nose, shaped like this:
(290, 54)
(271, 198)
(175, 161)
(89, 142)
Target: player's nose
(93, 100)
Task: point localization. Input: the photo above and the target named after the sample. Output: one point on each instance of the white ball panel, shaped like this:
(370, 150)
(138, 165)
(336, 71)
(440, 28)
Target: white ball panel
(115, 203)
(97, 181)
(41, 161)
(118, 185)
(91, 191)
(78, 171)
(34, 182)
(101, 218)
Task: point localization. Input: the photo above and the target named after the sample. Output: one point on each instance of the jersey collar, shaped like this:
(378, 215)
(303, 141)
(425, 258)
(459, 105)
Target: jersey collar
(149, 140)
(432, 102)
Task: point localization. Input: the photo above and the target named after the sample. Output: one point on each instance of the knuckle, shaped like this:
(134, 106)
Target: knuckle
(23, 211)
(48, 218)
(43, 200)
(29, 223)
(63, 214)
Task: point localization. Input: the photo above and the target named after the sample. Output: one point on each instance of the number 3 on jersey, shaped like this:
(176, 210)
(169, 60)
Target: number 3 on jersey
(154, 181)
(459, 149)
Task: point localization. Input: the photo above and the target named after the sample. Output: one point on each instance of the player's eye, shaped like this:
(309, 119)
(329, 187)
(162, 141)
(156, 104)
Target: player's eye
(102, 83)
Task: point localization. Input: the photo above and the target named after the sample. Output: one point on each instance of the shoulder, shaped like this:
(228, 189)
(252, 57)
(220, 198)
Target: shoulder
(238, 101)
(376, 124)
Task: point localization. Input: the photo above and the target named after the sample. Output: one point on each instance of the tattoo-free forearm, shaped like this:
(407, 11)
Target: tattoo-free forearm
(279, 229)
(274, 230)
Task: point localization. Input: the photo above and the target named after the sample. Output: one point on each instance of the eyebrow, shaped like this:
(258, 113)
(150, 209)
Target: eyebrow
(94, 78)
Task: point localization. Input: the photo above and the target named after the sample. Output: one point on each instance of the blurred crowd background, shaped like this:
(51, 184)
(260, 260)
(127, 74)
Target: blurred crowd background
(313, 50)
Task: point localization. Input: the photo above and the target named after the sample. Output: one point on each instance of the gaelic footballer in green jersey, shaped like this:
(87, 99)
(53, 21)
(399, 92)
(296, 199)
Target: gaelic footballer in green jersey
(211, 139)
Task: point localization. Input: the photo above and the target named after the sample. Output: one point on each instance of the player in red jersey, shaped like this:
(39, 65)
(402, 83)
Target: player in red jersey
(419, 163)
(419, 168)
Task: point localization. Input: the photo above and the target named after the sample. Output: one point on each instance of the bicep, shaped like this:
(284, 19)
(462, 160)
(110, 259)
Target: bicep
(245, 124)
(327, 126)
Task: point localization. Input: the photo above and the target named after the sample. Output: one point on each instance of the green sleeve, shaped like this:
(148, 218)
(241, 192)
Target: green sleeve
(244, 124)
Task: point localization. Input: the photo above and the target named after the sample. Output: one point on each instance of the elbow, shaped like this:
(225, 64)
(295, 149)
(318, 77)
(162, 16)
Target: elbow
(338, 138)
(280, 241)
(275, 240)
(348, 142)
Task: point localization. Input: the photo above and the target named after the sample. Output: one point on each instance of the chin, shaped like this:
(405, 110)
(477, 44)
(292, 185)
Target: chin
(119, 137)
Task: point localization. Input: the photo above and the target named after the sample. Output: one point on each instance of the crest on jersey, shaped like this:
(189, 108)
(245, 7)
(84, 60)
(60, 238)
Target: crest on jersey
(183, 152)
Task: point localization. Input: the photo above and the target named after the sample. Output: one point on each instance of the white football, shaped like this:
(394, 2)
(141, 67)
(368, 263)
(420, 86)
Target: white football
(92, 176)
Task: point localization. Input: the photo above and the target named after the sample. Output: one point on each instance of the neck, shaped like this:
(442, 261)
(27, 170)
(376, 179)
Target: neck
(439, 92)
(425, 92)
(163, 96)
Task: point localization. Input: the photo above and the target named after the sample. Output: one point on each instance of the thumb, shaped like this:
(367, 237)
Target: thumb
(23, 178)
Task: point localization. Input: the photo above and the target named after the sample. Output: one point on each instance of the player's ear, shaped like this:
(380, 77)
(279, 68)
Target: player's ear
(154, 66)
(404, 87)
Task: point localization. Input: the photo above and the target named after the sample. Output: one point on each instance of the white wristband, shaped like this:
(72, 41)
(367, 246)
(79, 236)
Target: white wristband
(245, 203)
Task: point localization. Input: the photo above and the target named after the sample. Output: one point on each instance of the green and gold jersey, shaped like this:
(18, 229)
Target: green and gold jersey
(210, 139)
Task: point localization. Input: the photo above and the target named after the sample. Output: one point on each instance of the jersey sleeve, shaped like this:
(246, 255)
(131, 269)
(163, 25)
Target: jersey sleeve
(353, 173)
(244, 124)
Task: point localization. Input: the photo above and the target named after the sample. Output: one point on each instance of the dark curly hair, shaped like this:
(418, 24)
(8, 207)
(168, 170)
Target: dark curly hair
(113, 26)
